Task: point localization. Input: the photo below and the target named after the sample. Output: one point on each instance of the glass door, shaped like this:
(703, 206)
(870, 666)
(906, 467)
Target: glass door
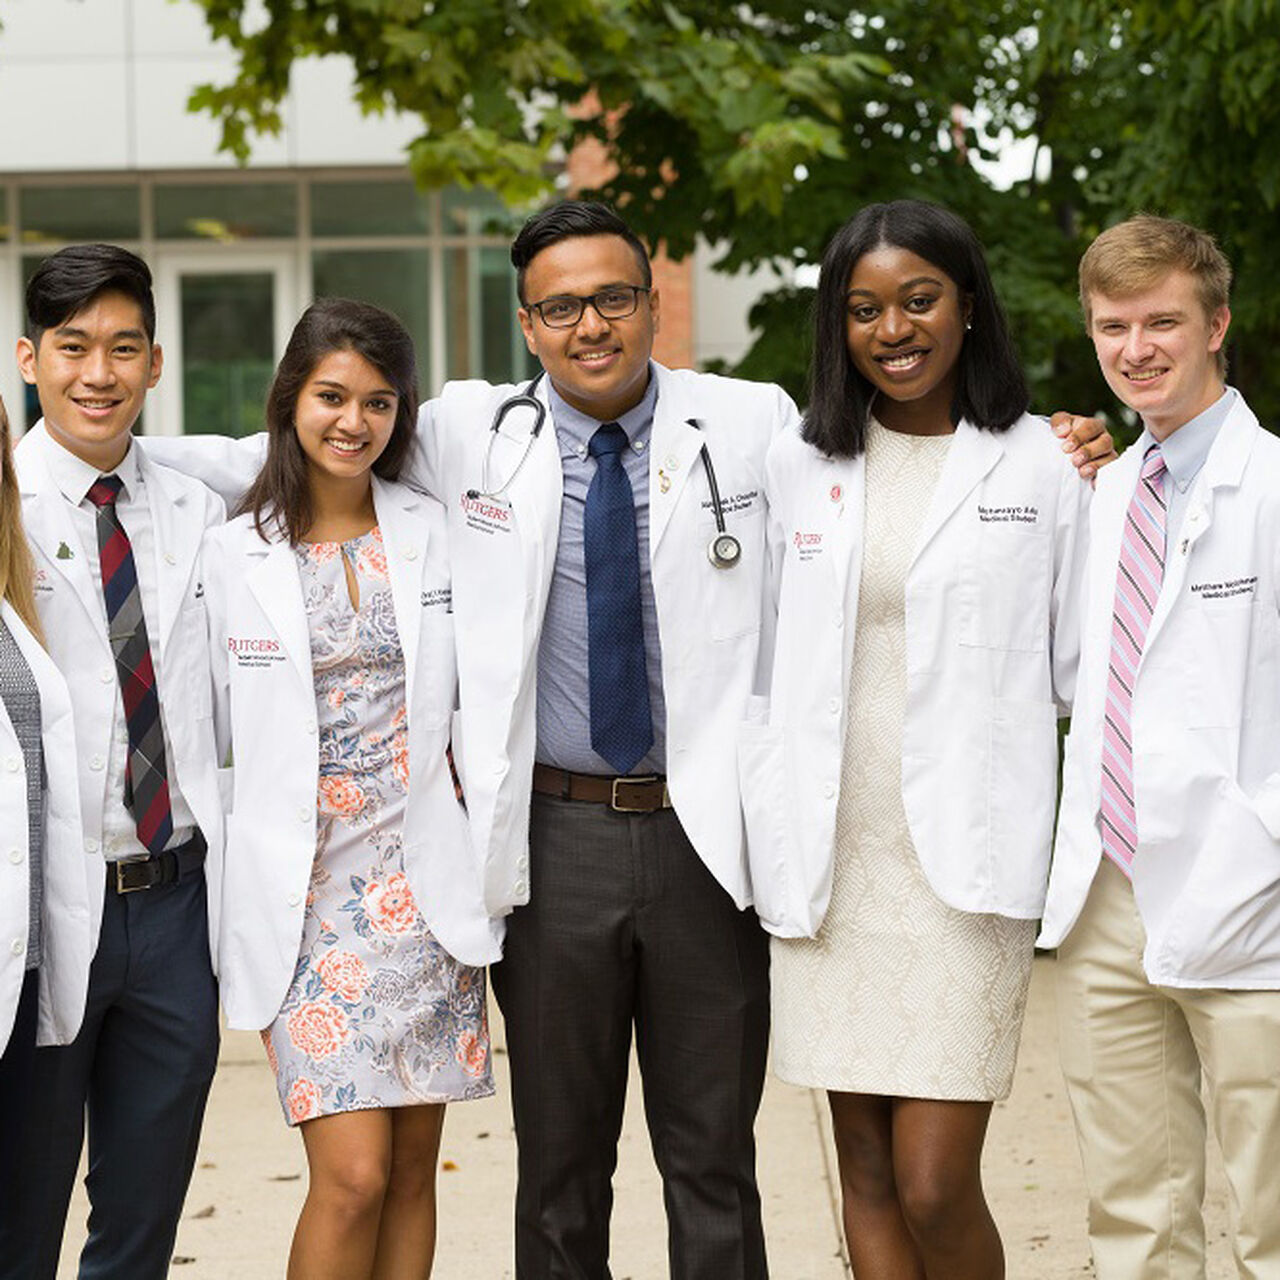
(222, 319)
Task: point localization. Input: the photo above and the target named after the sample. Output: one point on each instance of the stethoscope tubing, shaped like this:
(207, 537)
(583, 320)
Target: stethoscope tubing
(724, 550)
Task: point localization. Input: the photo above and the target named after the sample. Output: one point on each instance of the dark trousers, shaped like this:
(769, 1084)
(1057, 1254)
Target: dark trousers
(626, 927)
(16, 1065)
(141, 1067)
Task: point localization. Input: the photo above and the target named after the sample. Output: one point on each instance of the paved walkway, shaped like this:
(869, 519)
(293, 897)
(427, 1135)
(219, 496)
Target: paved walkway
(251, 1178)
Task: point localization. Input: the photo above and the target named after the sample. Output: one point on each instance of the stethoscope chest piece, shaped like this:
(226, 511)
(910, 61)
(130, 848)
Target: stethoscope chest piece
(724, 551)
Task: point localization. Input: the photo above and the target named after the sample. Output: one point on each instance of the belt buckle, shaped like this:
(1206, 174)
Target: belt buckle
(120, 865)
(630, 782)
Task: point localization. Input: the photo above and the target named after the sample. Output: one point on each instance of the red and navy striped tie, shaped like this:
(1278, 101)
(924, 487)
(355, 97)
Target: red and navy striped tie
(146, 780)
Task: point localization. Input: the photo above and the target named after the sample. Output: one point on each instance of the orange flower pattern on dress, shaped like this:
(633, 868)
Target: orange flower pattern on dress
(345, 974)
(340, 797)
(317, 1029)
(378, 1014)
(389, 904)
(303, 1101)
(473, 1053)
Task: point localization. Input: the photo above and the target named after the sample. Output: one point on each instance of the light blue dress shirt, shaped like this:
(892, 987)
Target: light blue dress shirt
(564, 703)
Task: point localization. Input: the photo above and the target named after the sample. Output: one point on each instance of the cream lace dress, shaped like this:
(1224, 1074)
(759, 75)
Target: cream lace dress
(898, 994)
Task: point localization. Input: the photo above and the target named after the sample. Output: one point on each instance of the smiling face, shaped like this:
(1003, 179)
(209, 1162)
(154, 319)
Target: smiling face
(904, 330)
(92, 373)
(345, 415)
(600, 367)
(1158, 351)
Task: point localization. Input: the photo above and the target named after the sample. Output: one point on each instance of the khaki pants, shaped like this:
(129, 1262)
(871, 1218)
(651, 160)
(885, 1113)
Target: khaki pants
(1133, 1055)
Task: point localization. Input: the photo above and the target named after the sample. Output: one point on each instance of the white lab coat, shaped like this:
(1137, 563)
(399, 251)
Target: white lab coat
(266, 708)
(72, 611)
(67, 946)
(713, 623)
(1205, 722)
(991, 648)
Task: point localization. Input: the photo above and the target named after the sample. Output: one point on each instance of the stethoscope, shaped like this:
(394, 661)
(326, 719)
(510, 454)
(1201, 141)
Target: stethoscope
(724, 550)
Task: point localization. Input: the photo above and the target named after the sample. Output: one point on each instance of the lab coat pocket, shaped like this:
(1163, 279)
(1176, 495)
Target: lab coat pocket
(1022, 790)
(772, 856)
(1231, 665)
(1005, 587)
(1226, 929)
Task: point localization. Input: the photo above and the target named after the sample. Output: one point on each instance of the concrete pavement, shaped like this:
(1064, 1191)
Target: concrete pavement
(251, 1179)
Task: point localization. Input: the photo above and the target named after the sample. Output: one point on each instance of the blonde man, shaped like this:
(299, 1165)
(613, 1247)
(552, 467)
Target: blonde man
(1164, 899)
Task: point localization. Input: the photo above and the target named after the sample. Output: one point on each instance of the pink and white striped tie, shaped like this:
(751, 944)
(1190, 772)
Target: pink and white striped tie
(1138, 581)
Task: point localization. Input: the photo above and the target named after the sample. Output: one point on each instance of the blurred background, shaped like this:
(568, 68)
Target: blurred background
(260, 153)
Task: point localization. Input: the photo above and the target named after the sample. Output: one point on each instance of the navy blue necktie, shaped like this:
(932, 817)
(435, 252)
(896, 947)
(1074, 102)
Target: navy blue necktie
(621, 721)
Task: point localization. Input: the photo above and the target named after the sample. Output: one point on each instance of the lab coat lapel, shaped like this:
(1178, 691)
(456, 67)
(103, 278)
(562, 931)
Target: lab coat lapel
(277, 587)
(179, 529)
(842, 497)
(404, 538)
(536, 492)
(673, 455)
(971, 457)
(1223, 468)
(46, 518)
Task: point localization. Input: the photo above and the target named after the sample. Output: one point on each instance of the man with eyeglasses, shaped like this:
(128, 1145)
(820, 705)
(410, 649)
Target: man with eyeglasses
(605, 662)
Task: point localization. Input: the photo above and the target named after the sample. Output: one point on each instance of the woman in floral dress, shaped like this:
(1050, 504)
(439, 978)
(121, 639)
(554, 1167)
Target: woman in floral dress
(354, 924)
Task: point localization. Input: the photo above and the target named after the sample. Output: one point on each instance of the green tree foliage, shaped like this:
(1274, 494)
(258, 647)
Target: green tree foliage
(762, 127)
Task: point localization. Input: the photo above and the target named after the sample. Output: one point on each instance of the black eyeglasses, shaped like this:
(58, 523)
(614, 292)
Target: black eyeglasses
(565, 310)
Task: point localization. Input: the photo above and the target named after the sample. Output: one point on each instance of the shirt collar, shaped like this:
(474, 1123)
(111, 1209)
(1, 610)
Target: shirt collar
(574, 428)
(74, 477)
(1185, 450)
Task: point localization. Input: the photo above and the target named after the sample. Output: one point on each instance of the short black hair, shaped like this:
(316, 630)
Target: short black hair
(991, 389)
(565, 221)
(68, 281)
(280, 497)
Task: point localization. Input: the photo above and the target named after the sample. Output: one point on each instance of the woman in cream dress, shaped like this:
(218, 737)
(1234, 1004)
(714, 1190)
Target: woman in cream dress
(912, 754)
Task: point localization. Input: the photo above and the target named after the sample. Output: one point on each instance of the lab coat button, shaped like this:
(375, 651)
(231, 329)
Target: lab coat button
(106, 675)
(91, 845)
(97, 762)
(521, 888)
(17, 946)
(304, 813)
(410, 553)
(834, 706)
(13, 763)
(295, 899)
(170, 558)
(311, 728)
(829, 790)
(839, 617)
(15, 856)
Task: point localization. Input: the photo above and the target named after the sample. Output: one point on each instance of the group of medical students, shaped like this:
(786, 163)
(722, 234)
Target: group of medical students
(682, 713)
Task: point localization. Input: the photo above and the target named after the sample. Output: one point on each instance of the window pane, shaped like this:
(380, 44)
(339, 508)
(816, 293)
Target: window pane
(80, 213)
(227, 336)
(226, 213)
(5, 230)
(477, 212)
(484, 338)
(368, 209)
(395, 279)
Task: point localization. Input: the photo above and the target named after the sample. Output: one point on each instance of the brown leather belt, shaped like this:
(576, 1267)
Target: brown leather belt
(645, 794)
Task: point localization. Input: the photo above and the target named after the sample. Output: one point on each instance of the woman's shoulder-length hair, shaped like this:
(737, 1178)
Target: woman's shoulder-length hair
(991, 389)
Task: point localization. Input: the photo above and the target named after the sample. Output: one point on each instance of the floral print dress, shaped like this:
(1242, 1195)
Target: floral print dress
(379, 1014)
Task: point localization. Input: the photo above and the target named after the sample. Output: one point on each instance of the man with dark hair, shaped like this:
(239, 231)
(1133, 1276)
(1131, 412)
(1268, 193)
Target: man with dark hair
(609, 595)
(116, 541)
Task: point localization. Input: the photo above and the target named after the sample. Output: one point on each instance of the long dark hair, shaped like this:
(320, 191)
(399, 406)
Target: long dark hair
(280, 498)
(991, 391)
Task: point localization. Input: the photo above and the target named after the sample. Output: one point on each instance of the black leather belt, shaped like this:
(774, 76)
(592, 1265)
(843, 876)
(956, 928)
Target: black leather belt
(645, 794)
(131, 874)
